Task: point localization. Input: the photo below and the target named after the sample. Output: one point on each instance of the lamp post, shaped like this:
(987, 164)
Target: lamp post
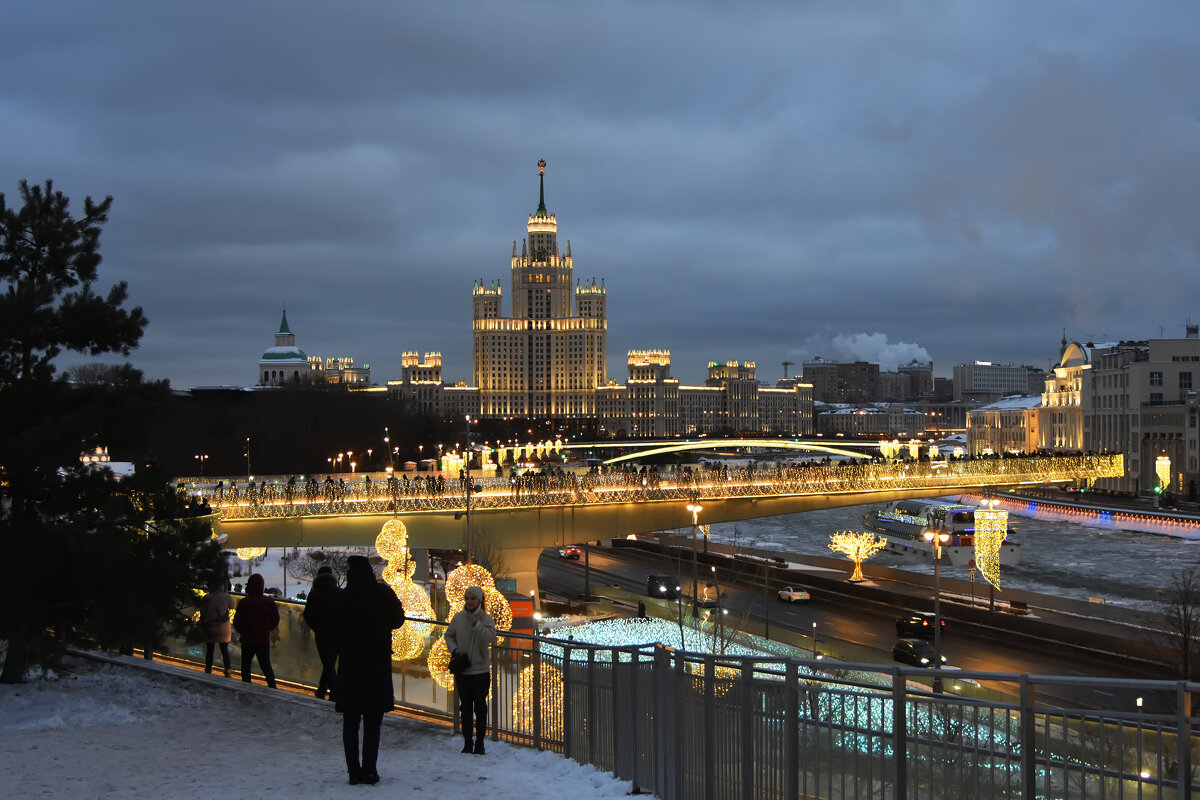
(201, 457)
(248, 473)
(937, 539)
(814, 640)
(695, 509)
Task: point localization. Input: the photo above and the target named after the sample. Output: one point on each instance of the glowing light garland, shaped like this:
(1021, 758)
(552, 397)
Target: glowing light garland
(991, 527)
(524, 710)
(858, 547)
(1162, 468)
(250, 553)
(392, 544)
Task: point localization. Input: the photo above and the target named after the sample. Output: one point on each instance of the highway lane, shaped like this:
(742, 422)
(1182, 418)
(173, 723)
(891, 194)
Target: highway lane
(855, 632)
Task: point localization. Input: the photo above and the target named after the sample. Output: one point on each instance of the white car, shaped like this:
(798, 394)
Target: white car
(794, 594)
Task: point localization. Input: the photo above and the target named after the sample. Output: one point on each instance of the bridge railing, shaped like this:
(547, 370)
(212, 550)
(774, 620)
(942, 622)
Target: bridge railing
(430, 493)
(692, 725)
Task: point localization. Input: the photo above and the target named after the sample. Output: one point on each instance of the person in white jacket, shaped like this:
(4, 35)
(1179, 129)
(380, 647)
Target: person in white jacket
(472, 631)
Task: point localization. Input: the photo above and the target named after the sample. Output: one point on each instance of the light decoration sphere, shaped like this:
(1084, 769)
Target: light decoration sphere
(408, 641)
(991, 528)
(494, 603)
(524, 710)
(250, 553)
(392, 541)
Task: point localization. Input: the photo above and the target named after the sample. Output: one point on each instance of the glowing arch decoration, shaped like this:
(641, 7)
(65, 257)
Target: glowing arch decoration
(991, 527)
(392, 545)
(494, 603)
(1162, 469)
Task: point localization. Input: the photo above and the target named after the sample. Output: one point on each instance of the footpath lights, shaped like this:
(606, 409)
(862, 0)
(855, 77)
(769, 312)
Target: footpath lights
(937, 539)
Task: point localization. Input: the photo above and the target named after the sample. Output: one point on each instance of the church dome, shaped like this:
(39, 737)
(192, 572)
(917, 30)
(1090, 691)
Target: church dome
(284, 353)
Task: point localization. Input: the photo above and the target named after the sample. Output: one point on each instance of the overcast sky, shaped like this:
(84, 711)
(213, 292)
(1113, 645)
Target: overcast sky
(766, 181)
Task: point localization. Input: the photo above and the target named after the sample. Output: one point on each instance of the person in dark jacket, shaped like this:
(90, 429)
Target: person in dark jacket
(366, 613)
(318, 614)
(255, 618)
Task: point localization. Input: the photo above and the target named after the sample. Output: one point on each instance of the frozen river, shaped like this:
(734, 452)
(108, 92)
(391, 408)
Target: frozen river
(1065, 559)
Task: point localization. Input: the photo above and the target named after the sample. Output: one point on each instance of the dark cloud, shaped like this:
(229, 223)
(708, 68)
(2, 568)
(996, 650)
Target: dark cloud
(885, 181)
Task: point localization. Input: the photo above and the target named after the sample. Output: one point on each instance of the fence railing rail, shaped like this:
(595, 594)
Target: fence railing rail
(698, 725)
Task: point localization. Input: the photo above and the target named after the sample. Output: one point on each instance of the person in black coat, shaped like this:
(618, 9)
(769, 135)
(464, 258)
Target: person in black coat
(366, 613)
(318, 614)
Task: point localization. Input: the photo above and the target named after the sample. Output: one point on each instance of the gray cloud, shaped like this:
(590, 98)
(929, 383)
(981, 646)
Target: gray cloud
(750, 183)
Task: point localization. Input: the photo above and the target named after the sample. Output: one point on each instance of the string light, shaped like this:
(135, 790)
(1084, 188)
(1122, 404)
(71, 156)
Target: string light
(551, 691)
(250, 553)
(991, 528)
(457, 583)
(392, 544)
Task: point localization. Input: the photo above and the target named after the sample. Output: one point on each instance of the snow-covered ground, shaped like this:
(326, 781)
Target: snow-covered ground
(119, 731)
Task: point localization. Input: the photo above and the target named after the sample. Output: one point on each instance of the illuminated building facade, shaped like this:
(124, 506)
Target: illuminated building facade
(285, 364)
(835, 382)
(1060, 416)
(1141, 398)
(548, 358)
(1010, 425)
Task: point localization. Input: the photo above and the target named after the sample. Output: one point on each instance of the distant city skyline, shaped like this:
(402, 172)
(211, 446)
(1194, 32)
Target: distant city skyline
(870, 181)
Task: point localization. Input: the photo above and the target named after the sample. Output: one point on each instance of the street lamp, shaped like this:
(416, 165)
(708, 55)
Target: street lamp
(937, 539)
(201, 457)
(814, 640)
(695, 509)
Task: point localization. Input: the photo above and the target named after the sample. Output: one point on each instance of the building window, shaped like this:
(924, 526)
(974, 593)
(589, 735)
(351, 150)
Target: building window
(1156, 379)
(1155, 398)
(1185, 380)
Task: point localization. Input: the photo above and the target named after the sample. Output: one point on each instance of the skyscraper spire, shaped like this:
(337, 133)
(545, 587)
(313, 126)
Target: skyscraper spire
(541, 209)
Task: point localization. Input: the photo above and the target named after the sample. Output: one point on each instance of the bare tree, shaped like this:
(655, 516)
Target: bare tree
(305, 567)
(487, 552)
(1180, 639)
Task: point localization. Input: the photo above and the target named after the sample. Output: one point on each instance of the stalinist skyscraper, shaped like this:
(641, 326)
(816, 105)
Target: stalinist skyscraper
(548, 358)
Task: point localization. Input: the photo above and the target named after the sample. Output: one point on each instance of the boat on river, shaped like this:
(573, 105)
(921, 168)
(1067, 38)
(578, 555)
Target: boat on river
(903, 524)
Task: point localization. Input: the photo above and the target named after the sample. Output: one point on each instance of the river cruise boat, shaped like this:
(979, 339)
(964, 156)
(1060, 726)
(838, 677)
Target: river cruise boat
(903, 524)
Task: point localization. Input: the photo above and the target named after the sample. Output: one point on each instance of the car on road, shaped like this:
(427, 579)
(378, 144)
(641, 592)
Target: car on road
(570, 551)
(918, 624)
(794, 594)
(664, 586)
(916, 652)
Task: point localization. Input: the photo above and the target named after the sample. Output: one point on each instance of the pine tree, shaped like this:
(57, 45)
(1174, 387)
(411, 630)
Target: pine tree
(73, 539)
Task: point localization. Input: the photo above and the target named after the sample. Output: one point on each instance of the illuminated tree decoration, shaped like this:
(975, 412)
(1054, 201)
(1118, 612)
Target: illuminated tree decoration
(250, 553)
(494, 603)
(856, 546)
(914, 449)
(392, 544)
(524, 710)
(501, 455)
(991, 526)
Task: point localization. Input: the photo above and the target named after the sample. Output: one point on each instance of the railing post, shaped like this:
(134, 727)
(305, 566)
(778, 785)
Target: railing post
(1028, 733)
(899, 734)
(709, 728)
(537, 692)
(591, 706)
(634, 720)
(1183, 742)
(791, 732)
(747, 728)
(566, 701)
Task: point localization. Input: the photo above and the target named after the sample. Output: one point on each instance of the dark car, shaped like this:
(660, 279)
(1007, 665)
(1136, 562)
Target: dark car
(919, 624)
(917, 652)
(570, 551)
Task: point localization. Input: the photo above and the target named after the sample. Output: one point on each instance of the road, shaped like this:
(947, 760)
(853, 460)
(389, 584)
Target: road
(862, 632)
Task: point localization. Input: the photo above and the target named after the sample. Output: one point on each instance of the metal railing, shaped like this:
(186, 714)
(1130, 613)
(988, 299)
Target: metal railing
(689, 725)
(286, 498)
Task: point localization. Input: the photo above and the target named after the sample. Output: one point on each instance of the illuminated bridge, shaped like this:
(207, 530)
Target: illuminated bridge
(535, 511)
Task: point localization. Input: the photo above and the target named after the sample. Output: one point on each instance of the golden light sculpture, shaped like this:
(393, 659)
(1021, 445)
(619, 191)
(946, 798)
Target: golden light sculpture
(914, 449)
(392, 544)
(551, 691)
(858, 547)
(991, 526)
(1162, 468)
(250, 553)
(457, 583)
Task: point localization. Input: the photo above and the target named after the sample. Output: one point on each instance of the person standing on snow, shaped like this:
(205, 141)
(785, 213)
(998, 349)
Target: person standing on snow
(472, 631)
(255, 618)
